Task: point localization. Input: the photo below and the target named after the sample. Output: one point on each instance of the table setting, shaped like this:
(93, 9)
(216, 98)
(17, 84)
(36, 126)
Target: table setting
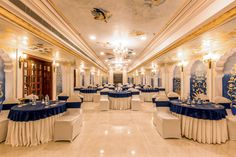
(204, 122)
(120, 100)
(32, 123)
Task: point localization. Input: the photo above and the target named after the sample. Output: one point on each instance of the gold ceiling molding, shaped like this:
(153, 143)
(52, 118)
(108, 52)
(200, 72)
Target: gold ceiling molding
(210, 25)
(17, 20)
(71, 26)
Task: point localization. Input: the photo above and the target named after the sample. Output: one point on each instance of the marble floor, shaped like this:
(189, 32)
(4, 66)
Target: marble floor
(120, 134)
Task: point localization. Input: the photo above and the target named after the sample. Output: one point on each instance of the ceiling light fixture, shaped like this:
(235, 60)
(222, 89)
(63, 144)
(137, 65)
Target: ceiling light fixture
(102, 53)
(143, 38)
(92, 37)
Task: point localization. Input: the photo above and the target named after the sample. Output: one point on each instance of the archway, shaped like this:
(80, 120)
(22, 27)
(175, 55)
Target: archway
(228, 80)
(198, 79)
(6, 76)
(177, 80)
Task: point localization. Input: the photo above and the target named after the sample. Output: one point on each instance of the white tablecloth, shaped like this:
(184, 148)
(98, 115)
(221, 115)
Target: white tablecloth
(88, 97)
(204, 131)
(31, 133)
(120, 103)
(147, 96)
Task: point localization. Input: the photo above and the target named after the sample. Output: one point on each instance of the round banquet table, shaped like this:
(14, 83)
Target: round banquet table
(204, 123)
(147, 94)
(120, 100)
(30, 125)
(88, 94)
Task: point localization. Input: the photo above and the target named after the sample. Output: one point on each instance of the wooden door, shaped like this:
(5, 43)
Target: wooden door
(37, 78)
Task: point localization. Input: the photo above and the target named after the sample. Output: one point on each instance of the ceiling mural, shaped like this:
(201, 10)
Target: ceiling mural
(109, 24)
(101, 14)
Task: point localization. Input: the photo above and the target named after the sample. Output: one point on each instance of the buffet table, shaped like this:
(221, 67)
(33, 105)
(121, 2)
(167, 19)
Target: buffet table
(205, 123)
(30, 125)
(147, 94)
(88, 94)
(120, 100)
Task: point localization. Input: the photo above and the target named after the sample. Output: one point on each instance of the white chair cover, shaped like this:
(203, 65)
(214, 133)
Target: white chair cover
(220, 99)
(31, 96)
(173, 94)
(120, 103)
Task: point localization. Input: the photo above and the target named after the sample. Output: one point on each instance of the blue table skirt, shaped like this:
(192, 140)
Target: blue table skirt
(77, 89)
(73, 104)
(135, 93)
(8, 106)
(119, 94)
(173, 98)
(149, 90)
(37, 112)
(208, 112)
(233, 110)
(88, 90)
(226, 105)
(104, 93)
(162, 103)
(63, 98)
(162, 89)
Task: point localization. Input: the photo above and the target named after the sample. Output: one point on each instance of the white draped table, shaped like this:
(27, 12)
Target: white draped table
(88, 94)
(202, 123)
(31, 125)
(120, 100)
(147, 94)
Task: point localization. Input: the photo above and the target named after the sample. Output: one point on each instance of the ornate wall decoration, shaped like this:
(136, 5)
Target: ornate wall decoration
(177, 80)
(229, 84)
(59, 80)
(198, 84)
(177, 85)
(2, 81)
(101, 14)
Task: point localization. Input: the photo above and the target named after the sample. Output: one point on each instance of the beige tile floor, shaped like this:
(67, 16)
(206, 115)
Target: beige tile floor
(121, 134)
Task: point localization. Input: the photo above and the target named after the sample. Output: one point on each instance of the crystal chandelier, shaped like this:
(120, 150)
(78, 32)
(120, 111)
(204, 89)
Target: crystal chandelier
(120, 51)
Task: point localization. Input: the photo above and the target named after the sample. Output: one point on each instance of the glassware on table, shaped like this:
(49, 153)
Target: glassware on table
(47, 100)
(199, 101)
(43, 102)
(34, 100)
(189, 100)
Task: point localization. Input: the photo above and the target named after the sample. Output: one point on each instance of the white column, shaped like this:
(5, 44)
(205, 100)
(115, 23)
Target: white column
(54, 83)
(9, 81)
(78, 82)
(110, 77)
(87, 77)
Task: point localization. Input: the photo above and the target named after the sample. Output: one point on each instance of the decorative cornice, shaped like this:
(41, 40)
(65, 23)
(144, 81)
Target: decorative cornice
(210, 25)
(19, 21)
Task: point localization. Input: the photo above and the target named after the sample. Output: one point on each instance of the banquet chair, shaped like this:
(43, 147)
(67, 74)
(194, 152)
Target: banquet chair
(104, 102)
(224, 102)
(96, 98)
(135, 103)
(3, 125)
(67, 127)
(231, 119)
(173, 95)
(167, 124)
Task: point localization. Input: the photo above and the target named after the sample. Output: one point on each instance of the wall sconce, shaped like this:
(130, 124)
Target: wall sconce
(55, 65)
(22, 58)
(182, 64)
(209, 58)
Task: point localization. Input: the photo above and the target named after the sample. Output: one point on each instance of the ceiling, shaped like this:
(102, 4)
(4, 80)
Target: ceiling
(219, 41)
(15, 38)
(132, 23)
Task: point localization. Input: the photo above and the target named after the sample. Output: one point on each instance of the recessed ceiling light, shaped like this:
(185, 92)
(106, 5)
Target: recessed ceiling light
(92, 37)
(106, 60)
(143, 38)
(102, 53)
(133, 53)
(129, 60)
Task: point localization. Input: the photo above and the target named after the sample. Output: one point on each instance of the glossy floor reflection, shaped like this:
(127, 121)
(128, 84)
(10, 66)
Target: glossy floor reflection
(120, 134)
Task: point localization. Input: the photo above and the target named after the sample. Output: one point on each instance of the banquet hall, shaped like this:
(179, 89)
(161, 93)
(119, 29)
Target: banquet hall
(107, 78)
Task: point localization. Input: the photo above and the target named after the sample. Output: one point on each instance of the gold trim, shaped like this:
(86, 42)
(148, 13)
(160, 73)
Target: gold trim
(17, 20)
(210, 25)
(71, 26)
